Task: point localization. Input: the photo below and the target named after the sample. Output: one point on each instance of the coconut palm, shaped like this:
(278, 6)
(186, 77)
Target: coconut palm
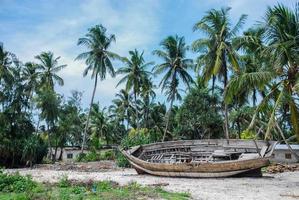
(281, 26)
(49, 67)
(148, 94)
(122, 107)
(135, 77)
(175, 66)
(6, 60)
(49, 104)
(30, 75)
(98, 60)
(99, 123)
(218, 55)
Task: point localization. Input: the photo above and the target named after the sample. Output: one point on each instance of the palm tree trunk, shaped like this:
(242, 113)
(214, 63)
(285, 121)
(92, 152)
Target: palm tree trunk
(225, 105)
(136, 110)
(88, 116)
(167, 119)
(49, 142)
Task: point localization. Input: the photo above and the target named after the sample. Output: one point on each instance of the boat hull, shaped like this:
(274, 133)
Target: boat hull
(228, 168)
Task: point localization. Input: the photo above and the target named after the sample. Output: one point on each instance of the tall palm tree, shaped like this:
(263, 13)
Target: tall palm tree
(98, 60)
(281, 26)
(218, 55)
(30, 75)
(175, 66)
(135, 76)
(49, 104)
(49, 68)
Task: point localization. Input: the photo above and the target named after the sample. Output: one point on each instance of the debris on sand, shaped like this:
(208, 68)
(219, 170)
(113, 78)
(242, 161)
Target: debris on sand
(279, 168)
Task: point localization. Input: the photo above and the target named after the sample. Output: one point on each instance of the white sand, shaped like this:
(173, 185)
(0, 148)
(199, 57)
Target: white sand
(279, 186)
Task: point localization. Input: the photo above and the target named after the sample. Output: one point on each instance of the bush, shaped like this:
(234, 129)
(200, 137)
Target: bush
(16, 183)
(108, 155)
(64, 182)
(121, 160)
(135, 138)
(95, 156)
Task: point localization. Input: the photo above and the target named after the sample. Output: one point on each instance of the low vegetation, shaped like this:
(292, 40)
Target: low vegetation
(16, 187)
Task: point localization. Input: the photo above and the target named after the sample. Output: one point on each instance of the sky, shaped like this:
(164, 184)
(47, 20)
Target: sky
(29, 27)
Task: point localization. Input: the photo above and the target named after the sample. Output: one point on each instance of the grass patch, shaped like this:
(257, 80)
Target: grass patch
(66, 189)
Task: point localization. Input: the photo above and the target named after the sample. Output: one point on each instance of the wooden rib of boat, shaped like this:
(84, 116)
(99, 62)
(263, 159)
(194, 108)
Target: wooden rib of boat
(201, 158)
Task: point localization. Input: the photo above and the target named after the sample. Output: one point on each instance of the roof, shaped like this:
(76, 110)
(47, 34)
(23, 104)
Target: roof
(285, 147)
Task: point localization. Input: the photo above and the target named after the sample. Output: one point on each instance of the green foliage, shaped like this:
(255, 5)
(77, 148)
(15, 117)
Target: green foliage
(96, 156)
(136, 137)
(121, 160)
(248, 134)
(94, 190)
(199, 116)
(64, 182)
(15, 183)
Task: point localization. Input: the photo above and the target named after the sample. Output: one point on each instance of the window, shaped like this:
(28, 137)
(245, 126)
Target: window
(69, 156)
(288, 156)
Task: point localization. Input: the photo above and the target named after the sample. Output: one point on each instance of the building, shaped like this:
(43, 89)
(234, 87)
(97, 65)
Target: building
(282, 154)
(68, 153)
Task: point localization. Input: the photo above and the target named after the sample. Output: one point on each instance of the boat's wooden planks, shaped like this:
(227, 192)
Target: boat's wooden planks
(196, 156)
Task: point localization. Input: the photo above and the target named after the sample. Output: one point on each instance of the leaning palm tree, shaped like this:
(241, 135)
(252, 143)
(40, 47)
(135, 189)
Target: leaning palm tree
(49, 68)
(218, 55)
(97, 59)
(175, 66)
(281, 26)
(135, 77)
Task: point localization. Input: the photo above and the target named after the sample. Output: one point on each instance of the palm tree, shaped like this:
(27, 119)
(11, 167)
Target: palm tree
(122, 106)
(175, 66)
(49, 68)
(49, 104)
(99, 123)
(148, 94)
(31, 77)
(6, 59)
(135, 77)
(218, 55)
(97, 59)
(281, 26)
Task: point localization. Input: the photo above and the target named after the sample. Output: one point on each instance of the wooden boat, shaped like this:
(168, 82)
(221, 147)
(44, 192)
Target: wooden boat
(201, 158)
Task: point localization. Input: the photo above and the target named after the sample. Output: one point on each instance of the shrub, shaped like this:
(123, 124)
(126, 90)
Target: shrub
(80, 157)
(121, 160)
(135, 138)
(108, 155)
(16, 183)
(64, 182)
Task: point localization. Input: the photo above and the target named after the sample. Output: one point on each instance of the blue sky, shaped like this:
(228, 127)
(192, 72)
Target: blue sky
(29, 27)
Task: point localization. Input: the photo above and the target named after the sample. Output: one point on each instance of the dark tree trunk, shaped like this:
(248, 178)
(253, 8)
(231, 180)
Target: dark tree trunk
(61, 152)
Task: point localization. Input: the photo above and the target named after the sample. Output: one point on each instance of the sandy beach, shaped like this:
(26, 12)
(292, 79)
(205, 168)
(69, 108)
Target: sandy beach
(271, 186)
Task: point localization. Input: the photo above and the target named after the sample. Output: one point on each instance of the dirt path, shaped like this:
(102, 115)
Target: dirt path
(278, 186)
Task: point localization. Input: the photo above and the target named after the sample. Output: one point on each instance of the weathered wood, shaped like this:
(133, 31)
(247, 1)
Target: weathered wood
(188, 158)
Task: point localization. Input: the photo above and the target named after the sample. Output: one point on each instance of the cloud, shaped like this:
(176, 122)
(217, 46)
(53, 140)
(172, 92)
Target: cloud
(135, 25)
